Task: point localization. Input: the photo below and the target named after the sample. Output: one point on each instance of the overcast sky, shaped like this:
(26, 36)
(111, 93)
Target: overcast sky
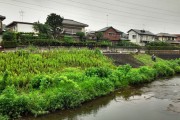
(153, 15)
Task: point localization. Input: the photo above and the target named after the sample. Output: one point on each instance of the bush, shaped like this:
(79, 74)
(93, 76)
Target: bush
(12, 104)
(99, 72)
(8, 36)
(9, 44)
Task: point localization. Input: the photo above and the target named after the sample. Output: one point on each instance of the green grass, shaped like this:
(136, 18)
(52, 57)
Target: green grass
(146, 59)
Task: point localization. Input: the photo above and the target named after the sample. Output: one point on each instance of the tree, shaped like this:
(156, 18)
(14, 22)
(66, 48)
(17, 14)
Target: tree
(81, 35)
(55, 23)
(43, 29)
(99, 35)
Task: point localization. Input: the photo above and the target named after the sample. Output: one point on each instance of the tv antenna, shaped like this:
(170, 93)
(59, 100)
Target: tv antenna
(21, 15)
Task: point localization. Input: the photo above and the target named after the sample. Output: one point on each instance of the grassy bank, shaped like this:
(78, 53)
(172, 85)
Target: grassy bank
(38, 83)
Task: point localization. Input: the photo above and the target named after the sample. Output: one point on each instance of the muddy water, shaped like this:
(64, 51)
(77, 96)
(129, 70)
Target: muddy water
(159, 100)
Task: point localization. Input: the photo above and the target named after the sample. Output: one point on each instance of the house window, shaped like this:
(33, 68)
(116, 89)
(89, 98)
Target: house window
(111, 34)
(134, 36)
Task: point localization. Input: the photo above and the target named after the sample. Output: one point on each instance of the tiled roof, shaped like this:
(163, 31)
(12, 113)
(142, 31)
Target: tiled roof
(142, 32)
(165, 35)
(72, 22)
(106, 28)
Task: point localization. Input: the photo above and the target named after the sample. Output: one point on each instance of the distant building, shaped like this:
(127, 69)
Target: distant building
(141, 37)
(70, 27)
(1, 26)
(177, 37)
(111, 34)
(166, 37)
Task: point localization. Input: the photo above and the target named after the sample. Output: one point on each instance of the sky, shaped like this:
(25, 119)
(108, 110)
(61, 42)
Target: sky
(153, 15)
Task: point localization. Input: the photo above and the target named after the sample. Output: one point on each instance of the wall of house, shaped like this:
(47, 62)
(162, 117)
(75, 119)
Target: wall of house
(112, 35)
(69, 29)
(140, 39)
(134, 40)
(25, 28)
(166, 38)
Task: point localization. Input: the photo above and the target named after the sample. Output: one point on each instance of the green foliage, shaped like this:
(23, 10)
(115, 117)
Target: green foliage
(127, 44)
(9, 44)
(68, 39)
(99, 36)
(12, 104)
(42, 28)
(99, 72)
(55, 23)
(158, 44)
(9, 36)
(81, 35)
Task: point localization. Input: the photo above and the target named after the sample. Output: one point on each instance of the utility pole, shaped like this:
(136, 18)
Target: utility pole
(21, 15)
(107, 20)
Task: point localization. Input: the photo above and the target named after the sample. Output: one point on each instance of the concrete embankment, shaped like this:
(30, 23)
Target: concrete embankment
(122, 59)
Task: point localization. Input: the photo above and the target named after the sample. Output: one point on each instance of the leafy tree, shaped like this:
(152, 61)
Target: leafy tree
(55, 23)
(42, 28)
(81, 35)
(99, 35)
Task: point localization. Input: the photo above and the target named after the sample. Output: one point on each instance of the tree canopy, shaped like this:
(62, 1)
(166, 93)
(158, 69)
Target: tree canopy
(55, 23)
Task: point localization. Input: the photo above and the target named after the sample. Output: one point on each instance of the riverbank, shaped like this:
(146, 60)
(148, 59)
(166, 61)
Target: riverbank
(47, 84)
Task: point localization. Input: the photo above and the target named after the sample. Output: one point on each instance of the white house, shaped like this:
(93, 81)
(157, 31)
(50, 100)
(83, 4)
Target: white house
(17, 26)
(69, 26)
(141, 37)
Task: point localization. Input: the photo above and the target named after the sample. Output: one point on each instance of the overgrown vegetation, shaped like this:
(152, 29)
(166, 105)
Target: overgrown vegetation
(41, 82)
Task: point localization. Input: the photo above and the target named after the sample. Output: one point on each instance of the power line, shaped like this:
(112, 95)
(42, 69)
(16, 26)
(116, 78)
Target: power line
(91, 9)
(116, 10)
(133, 8)
(136, 4)
(111, 12)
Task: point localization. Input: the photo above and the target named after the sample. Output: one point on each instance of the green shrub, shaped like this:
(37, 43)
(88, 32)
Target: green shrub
(9, 36)
(100, 72)
(9, 44)
(12, 104)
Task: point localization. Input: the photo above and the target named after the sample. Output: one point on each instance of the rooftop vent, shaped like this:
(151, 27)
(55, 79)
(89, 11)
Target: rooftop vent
(143, 31)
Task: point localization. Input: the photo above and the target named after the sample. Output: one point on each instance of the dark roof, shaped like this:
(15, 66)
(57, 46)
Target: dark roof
(65, 22)
(165, 35)
(72, 22)
(142, 32)
(16, 22)
(2, 17)
(106, 28)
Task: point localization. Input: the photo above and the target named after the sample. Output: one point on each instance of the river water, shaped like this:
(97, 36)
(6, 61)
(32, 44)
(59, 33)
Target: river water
(159, 100)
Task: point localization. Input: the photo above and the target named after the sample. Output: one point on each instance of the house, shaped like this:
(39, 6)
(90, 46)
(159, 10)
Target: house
(141, 37)
(1, 26)
(177, 37)
(17, 26)
(164, 37)
(111, 34)
(70, 27)
(91, 35)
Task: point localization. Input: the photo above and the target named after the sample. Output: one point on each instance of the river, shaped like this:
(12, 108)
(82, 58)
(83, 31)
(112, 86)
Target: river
(159, 100)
